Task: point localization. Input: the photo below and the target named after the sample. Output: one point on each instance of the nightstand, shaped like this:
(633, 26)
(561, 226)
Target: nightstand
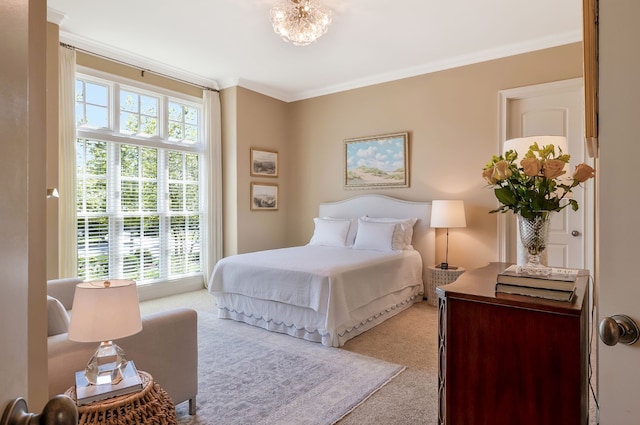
(439, 277)
(512, 359)
(151, 405)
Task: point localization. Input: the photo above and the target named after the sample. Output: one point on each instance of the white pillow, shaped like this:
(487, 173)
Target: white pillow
(330, 232)
(403, 232)
(57, 317)
(374, 236)
(353, 228)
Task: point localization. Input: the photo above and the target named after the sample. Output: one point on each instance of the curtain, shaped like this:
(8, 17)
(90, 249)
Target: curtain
(67, 249)
(212, 236)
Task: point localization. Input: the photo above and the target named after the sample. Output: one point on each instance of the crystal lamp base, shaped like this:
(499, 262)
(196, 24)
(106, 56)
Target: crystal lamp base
(106, 364)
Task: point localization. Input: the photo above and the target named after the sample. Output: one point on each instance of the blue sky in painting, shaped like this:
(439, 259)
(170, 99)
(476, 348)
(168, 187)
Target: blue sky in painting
(384, 154)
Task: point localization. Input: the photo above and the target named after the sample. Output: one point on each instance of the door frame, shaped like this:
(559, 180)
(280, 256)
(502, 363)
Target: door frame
(588, 207)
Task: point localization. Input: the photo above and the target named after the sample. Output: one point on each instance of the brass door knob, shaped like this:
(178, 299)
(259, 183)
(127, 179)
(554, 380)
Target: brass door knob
(618, 328)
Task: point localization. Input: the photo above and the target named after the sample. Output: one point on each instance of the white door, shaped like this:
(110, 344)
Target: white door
(617, 279)
(556, 110)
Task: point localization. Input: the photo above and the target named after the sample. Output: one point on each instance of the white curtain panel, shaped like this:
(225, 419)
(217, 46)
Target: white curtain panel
(212, 237)
(67, 254)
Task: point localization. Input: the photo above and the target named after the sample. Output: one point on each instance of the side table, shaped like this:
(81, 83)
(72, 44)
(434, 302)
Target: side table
(511, 359)
(439, 277)
(151, 405)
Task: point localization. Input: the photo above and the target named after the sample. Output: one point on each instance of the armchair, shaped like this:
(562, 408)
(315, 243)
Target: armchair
(167, 347)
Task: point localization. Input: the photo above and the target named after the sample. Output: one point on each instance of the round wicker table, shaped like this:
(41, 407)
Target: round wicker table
(439, 277)
(151, 405)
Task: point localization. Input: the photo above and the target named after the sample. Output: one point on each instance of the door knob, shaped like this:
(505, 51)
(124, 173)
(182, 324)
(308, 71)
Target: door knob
(60, 410)
(618, 328)
(575, 233)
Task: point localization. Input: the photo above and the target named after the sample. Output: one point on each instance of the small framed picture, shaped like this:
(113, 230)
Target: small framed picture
(264, 163)
(377, 161)
(264, 197)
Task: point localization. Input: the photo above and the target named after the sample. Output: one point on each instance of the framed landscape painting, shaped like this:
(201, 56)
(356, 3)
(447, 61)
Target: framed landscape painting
(264, 163)
(377, 161)
(264, 197)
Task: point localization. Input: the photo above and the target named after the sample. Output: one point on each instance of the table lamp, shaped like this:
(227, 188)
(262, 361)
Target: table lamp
(103, 311)
(447, 214)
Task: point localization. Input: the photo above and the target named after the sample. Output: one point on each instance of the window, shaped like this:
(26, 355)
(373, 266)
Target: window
(138, 114)
(139, 208)
(92, 104)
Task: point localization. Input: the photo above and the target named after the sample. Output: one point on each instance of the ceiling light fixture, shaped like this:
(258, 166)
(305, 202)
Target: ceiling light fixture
(300, 21)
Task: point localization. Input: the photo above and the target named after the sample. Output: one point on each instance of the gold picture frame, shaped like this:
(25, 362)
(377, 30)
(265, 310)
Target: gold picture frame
(264, 163)
(377, 161)
(264, 196)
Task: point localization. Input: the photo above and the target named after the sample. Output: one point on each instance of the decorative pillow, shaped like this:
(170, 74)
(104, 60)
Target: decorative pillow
(57, 317)
(353, 228)
(330, 232)
(374, 236)
(403, 232)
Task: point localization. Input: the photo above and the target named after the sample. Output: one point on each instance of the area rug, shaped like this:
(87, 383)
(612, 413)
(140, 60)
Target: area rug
(249, 376)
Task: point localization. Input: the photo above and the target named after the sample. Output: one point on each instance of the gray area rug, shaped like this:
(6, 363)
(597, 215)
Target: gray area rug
(249, 376)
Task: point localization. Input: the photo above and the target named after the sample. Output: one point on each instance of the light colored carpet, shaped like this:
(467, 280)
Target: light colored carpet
(409, 339)
(250, 376)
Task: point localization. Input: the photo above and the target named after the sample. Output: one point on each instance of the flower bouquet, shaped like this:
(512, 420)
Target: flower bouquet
(533, 188)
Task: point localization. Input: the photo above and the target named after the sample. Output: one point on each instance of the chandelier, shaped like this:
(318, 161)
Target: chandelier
(300, 21)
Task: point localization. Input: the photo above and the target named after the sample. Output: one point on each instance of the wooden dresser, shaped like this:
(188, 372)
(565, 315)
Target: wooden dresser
(511, 359)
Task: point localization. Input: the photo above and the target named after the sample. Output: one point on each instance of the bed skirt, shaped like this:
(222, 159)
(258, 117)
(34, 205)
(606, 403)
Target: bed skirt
(309, 324)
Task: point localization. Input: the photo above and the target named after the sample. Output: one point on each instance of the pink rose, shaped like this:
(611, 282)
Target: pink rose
(488, 176)
(553, 168)
(531, 166)
(583, 173)
(501, 170)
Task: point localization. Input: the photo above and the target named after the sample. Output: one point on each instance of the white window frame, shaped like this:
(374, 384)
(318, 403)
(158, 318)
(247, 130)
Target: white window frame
(112, 134)
(161, 141)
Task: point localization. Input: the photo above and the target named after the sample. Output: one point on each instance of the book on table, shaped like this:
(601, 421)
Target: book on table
(87, 393)
(549, 294)
(559, 279)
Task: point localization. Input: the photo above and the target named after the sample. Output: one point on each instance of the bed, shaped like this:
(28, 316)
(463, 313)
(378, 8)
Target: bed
(344, 282)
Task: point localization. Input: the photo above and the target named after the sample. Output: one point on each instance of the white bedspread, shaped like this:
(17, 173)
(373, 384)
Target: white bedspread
(331, 281)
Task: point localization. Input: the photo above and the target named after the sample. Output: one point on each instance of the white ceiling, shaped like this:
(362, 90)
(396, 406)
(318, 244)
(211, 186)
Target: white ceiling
(222, 43)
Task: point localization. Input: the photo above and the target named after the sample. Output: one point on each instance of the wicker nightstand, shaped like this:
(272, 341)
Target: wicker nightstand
(150, 406)
(439, 277)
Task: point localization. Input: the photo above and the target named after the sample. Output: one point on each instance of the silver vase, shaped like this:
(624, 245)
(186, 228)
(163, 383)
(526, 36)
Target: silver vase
(534, 234)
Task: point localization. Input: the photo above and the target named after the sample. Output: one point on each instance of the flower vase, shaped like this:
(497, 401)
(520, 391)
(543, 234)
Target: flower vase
(534, 233)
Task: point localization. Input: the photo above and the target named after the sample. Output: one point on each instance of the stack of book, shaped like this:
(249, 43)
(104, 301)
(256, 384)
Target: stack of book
(87, 393)
(559, 285)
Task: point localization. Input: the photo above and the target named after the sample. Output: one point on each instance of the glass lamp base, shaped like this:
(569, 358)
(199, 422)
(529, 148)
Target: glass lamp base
(106, 364)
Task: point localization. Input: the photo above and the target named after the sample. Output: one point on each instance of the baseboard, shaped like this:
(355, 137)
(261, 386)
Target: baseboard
(173, 287)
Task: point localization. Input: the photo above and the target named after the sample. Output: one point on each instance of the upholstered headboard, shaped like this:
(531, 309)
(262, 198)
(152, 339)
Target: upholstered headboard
(424, 237)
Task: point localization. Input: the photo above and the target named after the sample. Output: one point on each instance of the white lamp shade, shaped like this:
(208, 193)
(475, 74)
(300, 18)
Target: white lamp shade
(521, 144)
(103, 313)
(448, 214)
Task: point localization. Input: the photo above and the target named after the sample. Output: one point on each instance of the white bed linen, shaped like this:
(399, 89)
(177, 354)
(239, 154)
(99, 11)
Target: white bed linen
(316, 289)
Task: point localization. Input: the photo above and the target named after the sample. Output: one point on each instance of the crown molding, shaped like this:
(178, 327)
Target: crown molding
(136, 60)
(259, 88)
(55, 16)
(288, 96)
(435, 66)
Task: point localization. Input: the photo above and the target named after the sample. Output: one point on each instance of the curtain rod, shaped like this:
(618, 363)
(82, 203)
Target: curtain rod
(142, 70)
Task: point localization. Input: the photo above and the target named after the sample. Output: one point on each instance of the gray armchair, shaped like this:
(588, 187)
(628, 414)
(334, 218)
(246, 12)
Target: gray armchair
(167, 347)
